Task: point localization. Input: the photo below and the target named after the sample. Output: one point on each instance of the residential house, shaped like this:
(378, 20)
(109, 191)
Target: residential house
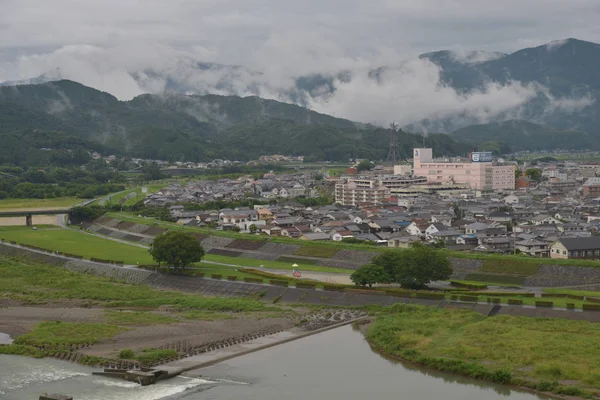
(402, 242)
(503, 244)
(339, 235)
(476, 227)
(240, 218)
(434, 228)
(571, 247)
(544, 220)
(417, 227)
(315, 236)
(500, 216)
(467, 239)
(448, 235)
(533, 247)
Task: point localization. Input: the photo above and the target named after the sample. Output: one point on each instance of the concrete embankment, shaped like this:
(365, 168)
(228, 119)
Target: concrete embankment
(190, 365)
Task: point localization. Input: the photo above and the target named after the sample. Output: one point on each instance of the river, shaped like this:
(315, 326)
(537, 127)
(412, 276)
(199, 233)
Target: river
(334, 365)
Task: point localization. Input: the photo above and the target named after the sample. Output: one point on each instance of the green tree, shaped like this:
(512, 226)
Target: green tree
(369, 274)
(364, 165)
(87, 213)
(253, 228)
(176, 249)
(415, 267)
(534, 173)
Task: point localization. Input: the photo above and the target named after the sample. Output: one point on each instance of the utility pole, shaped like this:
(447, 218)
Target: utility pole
(393, 152)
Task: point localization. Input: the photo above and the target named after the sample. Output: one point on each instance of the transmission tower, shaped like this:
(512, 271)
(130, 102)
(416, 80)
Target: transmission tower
(393, 153)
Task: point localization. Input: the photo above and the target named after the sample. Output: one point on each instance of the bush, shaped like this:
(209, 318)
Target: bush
(544, 304)
(516, 302)
(472, 299)
(430, 296)
(304, 285)
(253, 280)
(126, 354)
(468, 285)
(337, 288)
(232, 278)
(216, 276)
(278, 282)
(493, 300)
(506, 280)
(570, 306)
(591, 307)
(592, 299)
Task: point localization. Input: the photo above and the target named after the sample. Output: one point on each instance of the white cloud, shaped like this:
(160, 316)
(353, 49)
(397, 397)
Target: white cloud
(415, 92)
(104, 44)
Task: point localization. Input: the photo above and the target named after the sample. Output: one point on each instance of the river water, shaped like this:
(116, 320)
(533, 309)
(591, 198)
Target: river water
(334, 365)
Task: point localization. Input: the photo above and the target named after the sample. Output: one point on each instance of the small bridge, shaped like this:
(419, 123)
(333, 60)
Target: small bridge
(28, 214)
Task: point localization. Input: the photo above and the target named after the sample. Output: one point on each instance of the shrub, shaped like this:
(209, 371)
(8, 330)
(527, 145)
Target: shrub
(337, 288)
(253, 280)
(593, 299)
(516, 302)
(493, 300)
(216, 276)
(232, 278)
(126, 354)
(430, 296)
(278, 282)
(591, 307)
(506, 280)
(570, 306)
(305, 285)
(469, 298)
(544, 304)
(468, 285)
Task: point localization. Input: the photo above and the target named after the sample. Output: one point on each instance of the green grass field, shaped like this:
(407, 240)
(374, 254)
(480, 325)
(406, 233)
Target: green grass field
(60, 202)
(89, 246)
(152, 187)
(531, 350)
(30, 281)
(78, 243)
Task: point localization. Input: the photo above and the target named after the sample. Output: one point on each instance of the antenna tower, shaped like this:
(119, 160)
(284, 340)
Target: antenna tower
(393, 153)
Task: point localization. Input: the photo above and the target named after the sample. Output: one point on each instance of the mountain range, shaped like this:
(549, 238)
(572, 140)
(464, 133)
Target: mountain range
(555, 84)
(192, 128)
(183, 119)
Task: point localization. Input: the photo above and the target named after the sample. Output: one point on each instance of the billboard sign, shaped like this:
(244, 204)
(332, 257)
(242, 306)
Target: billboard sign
(485, 156)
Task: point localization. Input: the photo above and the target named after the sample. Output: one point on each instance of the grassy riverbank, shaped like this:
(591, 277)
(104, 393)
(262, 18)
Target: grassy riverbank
(63, 312)
(560, 356)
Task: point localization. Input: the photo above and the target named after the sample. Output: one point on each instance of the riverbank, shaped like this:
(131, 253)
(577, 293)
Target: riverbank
(547, 356)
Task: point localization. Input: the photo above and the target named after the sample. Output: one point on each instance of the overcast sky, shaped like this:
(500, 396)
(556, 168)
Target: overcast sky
(283, 37)
(243, 31)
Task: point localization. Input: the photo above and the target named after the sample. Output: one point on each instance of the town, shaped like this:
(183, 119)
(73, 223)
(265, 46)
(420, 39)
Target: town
(477, 203)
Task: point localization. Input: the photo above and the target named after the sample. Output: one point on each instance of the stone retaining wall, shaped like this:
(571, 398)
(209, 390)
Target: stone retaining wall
(11, 251)
(465, 266)
(108, 271)
(563, 275)
(364, 257)
(216, 241)
(280, 249)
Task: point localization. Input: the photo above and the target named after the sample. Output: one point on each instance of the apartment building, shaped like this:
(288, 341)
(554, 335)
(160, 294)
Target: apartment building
(480, 173)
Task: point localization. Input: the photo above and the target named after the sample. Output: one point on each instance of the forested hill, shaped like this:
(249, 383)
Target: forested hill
(180, 127)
